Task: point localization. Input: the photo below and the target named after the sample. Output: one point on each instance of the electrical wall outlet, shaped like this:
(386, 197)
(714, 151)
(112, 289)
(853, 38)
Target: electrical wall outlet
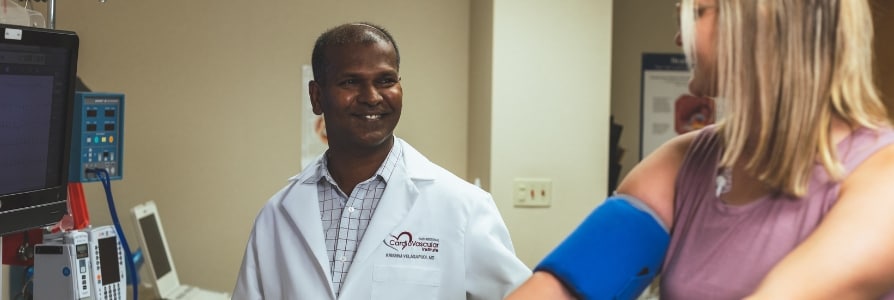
(532, 192)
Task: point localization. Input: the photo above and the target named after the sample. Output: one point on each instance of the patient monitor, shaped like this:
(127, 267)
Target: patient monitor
(37, 79)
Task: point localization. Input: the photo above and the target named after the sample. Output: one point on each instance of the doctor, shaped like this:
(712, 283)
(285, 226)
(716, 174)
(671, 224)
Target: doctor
(373, 218)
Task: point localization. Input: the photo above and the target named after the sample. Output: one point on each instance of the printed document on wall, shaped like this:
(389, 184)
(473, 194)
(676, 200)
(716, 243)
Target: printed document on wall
(667, 109)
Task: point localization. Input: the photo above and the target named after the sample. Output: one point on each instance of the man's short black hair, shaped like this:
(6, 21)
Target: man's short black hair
(351, 33)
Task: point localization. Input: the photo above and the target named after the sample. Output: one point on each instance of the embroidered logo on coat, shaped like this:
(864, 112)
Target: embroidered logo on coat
(404, 240)
(408, 247)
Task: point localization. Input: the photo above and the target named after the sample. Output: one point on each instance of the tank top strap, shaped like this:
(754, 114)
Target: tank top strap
(699, 165)
(706, 144)
(861, 144)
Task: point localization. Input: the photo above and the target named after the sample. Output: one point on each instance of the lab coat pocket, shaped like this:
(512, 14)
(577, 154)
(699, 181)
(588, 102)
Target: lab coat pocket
(405, 282)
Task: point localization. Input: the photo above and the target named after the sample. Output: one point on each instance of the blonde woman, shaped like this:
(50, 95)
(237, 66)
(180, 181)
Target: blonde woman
(792, 195)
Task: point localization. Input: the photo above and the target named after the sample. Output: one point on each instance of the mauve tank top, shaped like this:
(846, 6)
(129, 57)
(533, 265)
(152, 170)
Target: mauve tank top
(718, 251)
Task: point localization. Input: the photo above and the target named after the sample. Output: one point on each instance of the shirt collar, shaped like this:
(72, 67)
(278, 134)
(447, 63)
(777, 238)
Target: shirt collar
(385, 171)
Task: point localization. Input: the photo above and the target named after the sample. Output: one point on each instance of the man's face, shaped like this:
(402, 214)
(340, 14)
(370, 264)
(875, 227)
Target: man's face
(360, 96)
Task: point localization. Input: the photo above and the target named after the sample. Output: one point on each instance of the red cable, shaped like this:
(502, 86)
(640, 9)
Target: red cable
(77, 203)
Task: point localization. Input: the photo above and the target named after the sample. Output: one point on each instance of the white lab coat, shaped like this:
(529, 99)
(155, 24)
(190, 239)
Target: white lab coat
(433, 236)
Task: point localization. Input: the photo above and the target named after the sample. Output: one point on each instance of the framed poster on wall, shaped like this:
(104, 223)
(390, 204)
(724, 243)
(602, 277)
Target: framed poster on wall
(666, 108)
(314, 140)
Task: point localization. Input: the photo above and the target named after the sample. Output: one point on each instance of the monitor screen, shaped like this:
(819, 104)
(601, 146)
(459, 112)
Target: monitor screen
(37, 77)
(158, 254)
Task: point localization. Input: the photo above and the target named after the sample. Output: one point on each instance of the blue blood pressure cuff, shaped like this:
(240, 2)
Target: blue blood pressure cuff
(614, 254)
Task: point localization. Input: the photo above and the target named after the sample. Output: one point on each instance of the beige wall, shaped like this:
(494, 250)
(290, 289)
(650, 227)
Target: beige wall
(212, 117)
(480, 89)
(640, 26)
(550, 109)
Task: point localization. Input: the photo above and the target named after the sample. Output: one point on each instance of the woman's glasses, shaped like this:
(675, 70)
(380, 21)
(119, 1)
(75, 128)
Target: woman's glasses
(700, 10)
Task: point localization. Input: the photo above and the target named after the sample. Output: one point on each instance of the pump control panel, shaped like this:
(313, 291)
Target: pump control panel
(97, 140)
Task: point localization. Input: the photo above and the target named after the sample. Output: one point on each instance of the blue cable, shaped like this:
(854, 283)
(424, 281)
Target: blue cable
(104, 177)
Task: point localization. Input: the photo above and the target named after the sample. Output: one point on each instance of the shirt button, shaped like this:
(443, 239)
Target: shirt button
(350, 209)
(343, 259)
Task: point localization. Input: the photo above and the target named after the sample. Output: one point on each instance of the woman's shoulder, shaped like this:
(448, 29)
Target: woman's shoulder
(861, 145)
(671, 154)
(652, 180)
(872, 169)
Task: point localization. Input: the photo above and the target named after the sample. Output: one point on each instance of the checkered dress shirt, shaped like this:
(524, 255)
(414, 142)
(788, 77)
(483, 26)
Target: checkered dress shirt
(345, 218)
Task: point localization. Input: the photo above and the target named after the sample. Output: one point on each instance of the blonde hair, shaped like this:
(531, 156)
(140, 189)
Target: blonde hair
(785, 69)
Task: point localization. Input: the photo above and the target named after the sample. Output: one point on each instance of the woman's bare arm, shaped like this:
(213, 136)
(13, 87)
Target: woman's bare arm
(851, 253)
(651, 181)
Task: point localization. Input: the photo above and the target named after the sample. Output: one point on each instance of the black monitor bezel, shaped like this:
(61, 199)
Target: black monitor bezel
(43, 207)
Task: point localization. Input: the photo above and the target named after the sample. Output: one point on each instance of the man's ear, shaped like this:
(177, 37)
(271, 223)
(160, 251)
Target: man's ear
(314, 89)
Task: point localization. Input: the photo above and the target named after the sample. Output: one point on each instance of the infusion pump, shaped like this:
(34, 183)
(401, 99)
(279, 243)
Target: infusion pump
(80, 265)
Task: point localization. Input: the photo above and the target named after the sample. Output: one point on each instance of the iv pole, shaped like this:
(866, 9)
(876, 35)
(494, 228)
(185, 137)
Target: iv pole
(51, 14)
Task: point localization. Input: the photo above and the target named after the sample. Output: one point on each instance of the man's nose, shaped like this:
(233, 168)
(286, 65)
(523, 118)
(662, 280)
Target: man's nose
(370, 94)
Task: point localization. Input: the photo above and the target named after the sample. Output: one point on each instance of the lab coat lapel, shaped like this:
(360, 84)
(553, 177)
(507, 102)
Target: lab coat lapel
(398, 198)
(400, 195)
(302, 207)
